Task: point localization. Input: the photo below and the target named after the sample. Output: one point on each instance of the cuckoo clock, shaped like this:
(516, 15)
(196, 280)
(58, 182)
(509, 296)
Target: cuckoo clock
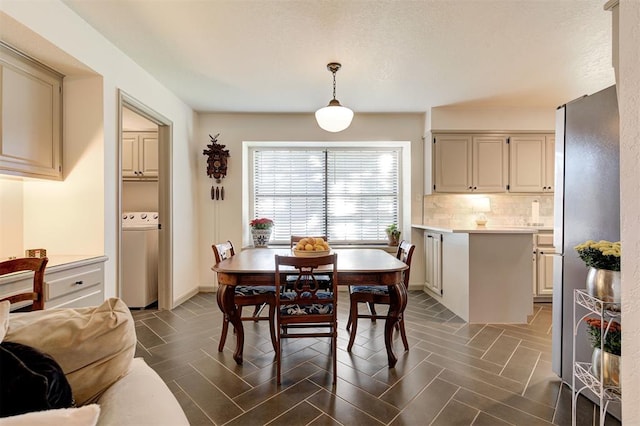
(216, 165)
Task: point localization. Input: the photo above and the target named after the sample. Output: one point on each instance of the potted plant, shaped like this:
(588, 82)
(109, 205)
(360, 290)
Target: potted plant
(605, 360)
(261, 231)
(603, 278)
(393, 234)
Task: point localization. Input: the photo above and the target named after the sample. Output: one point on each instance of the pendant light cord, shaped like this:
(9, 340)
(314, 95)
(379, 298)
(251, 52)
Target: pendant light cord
(334, 85)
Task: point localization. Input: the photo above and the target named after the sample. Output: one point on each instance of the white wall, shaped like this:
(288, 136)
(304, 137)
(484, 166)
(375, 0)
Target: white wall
(66, 217)
(52, 26)
(629, 106)
(222, 220)
(11, 220)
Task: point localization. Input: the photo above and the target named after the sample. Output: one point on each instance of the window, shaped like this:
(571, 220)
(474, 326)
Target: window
(349, 194)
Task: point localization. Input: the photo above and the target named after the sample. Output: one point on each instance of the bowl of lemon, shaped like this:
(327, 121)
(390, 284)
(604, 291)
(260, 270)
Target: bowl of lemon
(311, 247)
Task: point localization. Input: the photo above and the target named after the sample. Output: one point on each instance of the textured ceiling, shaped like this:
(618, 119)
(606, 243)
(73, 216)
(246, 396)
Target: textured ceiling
(397, 56)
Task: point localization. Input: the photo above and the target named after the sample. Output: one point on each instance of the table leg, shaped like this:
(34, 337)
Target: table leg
(228, 307)
(398, 302)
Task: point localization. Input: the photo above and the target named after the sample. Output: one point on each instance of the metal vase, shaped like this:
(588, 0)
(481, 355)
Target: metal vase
(606, 367)
(261, 237)
(604, 284)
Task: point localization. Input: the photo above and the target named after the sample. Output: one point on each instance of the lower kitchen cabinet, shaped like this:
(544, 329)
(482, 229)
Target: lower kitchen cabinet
(544, 254)
(70, 282)
(433, 261)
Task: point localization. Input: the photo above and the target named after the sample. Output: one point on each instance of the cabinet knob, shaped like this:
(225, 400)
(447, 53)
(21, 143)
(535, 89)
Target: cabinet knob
(470, 187)
(475, 187)
(79, 282)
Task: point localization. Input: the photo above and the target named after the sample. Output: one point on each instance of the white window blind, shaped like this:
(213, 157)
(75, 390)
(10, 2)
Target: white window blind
(350, 195)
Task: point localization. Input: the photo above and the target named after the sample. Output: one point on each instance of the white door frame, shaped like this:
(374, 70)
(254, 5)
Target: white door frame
(165, 198)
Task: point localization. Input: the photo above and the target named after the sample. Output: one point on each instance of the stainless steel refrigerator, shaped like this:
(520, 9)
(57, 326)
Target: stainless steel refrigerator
(586, 206)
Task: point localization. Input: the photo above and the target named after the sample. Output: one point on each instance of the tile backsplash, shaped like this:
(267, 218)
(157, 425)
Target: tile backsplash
(506, 209)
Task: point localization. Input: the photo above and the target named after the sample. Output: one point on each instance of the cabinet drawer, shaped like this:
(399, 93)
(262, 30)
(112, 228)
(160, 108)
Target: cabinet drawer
(65, 282)
(544, 239)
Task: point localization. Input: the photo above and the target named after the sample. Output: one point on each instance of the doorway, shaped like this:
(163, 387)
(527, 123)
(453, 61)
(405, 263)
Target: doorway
(140, 190)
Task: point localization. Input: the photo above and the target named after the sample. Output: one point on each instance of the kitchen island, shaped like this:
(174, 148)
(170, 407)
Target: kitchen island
(482, 274)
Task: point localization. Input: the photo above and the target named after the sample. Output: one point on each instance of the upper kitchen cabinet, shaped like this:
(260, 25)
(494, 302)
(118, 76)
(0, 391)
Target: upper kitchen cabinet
(470, 163)
(531, 163)
(31, 118)
(140, 155)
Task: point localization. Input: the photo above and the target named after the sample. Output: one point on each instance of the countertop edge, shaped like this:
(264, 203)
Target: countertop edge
(483, 230)
(58, 263)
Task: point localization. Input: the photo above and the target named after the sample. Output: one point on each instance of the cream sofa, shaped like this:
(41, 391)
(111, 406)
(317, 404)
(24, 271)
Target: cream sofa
(95, 348)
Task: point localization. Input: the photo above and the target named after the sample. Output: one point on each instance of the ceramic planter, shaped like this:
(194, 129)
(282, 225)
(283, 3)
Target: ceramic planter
(606, 367)
(261, 237)
(605, 285)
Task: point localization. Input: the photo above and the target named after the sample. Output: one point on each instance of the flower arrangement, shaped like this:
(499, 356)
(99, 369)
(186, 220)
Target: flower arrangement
(613, 335)
(600, 255)
(261, 223)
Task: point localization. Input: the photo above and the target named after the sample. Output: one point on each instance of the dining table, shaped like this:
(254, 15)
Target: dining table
(356, 266)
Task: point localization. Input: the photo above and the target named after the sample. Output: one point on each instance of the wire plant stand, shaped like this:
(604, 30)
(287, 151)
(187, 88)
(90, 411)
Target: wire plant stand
(583, 371)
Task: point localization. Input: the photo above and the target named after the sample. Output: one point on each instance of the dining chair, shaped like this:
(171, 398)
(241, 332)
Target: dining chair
(376, 294)
(256, 296)
(35, 264)
(306, 305)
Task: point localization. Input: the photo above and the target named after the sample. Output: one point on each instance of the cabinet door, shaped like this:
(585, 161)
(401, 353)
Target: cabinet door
(148, 155)
(526, 163)
(549, 163)
(490, 163)
(30, 120)
(545, 272)
(433, 261)
(129, 155)
(452, 163)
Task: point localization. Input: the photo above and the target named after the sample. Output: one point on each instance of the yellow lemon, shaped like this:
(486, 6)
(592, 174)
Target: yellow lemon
(308, 247)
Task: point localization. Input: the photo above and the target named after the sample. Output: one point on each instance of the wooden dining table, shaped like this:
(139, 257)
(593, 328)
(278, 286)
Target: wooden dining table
(256, 267)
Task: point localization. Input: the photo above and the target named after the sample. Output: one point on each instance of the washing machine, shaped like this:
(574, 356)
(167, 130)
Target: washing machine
(139, 258)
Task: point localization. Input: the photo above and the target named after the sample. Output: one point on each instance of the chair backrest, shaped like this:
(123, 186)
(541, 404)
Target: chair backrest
(305, 289)
(223, 251)
(405, 253)
(296, 238)
(37, 265)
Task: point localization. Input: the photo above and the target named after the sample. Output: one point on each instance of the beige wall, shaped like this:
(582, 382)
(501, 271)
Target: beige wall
(629, 106)
(86, 202)
(222, 220)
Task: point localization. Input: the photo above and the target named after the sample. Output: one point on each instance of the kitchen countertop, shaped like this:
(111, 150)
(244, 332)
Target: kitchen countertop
(58, 263)
(461, 228)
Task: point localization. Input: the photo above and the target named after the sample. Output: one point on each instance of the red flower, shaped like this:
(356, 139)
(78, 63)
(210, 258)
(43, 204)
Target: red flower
(261, 223)
(612, 331)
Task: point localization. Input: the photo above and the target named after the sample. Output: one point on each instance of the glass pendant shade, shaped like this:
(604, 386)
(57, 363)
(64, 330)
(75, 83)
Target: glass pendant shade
(334, 117)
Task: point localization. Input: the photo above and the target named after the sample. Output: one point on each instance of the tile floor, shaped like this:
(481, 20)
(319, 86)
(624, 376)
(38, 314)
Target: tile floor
(453, 374)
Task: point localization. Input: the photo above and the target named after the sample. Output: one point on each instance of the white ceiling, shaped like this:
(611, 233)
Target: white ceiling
(396, 55)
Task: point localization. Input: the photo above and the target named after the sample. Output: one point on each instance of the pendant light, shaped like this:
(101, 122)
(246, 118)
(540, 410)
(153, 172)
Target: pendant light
(334, 117)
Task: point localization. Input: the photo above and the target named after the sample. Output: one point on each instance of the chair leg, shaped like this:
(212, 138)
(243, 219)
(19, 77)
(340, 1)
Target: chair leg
(239, 314)
(372, 311)
(334, 354)
(257, 311)
(272, 329)
(403, 334)
(278, 358)
(223, 336)
(353, 318)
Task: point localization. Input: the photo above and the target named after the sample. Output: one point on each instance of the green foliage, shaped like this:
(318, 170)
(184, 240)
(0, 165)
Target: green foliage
(612, 332)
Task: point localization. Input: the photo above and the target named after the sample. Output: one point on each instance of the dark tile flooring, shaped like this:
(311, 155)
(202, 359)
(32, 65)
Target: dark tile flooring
(453, 374)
